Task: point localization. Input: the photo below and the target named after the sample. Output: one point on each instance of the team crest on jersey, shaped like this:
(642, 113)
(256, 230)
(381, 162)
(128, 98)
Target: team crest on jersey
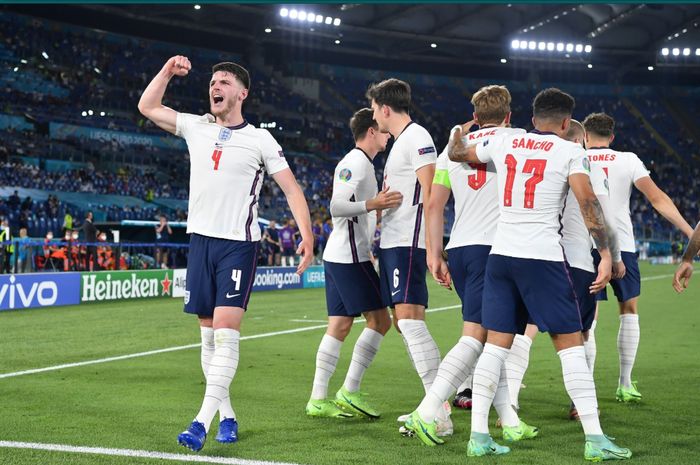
(225, 134)
(425, 150)
(345, 174)
(586, 164)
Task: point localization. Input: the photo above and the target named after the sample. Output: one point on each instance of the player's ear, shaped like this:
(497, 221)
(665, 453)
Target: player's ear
(475, 118)
(533, 122)
(506, 121)
(612, 138)
(565, 124)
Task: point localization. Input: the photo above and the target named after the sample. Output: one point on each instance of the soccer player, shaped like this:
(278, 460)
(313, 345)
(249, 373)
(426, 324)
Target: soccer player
(409, 170)
(685, 270)
(352, 284)
(475, 190)
(526, 275)
(228, 158)
(624, 170)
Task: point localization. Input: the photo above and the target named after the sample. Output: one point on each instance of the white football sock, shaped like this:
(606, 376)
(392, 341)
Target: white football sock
(222, 369)
(326, 360)
(486, 380)
(581, 388)
(225, 409)
(516, 366)
(590, 347)
(365, 349)
(627, 344)
(456, 366)
(502, 398)
(422, 348)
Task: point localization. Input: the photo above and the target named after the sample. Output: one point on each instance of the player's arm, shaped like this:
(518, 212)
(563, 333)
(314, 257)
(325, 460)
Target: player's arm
(619, 269)
(434, 227)
(342, 207)
(457, 150)
(300, 210)
(425, 175)
(151, 103)
(663, 204)
(685, 270)
(595, 222)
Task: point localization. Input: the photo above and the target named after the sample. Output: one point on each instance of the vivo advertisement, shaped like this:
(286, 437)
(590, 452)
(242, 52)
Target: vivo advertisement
(39, 290)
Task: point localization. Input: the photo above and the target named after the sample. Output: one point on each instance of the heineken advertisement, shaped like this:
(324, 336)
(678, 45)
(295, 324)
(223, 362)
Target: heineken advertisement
(122, 285)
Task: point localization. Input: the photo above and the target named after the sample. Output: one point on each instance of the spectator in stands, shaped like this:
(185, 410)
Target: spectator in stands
(271, 241)
(14, 201)
(105, 256)
(317, 229)
(90, 233)
(287, 242)
(5, 246)
(25, 254)
(67, 222)
(163, 233)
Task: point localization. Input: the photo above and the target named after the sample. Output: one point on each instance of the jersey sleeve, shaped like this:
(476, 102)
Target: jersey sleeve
(422, 149)
(346, 180)
(441, 176)
(638, 169)
(579, 163)
(183, 123)
(599, 182)
(272, 154)
(486, 150)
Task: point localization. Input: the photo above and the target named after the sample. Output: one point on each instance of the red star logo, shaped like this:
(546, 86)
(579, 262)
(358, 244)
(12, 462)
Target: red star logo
(166, 285)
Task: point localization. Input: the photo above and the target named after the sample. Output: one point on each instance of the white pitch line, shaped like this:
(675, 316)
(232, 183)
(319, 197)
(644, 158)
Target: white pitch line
(136, 453)
(173, 349)
(302, 320)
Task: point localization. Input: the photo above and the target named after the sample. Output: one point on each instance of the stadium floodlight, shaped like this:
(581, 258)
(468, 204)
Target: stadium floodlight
(569, 48)
(560, 47)
(541, 46)
(15, 69)
(587, 49)
(590, 66)
(293, 14)
(302, 15)
(311, 17)
(697, 52)
(550, 46)
(319, 19)
(23, 61)
(579, 48)
(504, 61)
(84, 113)
(268, 30)
(45, 55)
(284, 12)
(336, 22)
(523, 44)
(433, 45)
(676, 52)
(90, 112)
(664, 51)
(198, 7)
(328, 20)
(337, 41)
(102, 113)
(650, 68)
(515, 44)
(532, 45)
(686, 52)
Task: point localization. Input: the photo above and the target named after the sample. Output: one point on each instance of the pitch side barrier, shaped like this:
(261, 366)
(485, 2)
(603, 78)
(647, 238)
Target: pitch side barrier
(36, 290)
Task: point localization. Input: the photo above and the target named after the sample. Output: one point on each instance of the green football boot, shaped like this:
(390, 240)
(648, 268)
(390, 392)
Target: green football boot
(628, 395)
(356, 402)
(520, 432)
(600, 447)
(325, 408)
(426, 432)
(481, 444)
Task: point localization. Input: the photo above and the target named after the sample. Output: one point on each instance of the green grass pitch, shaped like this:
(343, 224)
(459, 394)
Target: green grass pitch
(143, 403)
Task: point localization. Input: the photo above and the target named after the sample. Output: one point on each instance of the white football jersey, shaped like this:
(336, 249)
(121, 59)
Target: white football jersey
(576, 239)
(533, 180)
(622, 170)
(475, 190)
(403, 226)
(226, 172)
(353, 180)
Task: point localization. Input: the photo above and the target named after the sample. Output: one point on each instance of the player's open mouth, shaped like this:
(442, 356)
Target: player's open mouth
(217, 99)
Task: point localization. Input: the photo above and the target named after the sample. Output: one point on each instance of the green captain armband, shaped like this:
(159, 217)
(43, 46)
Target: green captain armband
(441, 177)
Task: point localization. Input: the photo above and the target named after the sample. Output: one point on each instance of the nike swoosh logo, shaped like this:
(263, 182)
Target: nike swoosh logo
(395, 292)
(318, 407)
(228, 296)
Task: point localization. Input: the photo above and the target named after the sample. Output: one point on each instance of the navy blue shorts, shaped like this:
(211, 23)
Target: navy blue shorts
(630, 286)
(402, 276)
(586, 301)
(467, 266)
(351, 289)
(520, 289)
(220, 273)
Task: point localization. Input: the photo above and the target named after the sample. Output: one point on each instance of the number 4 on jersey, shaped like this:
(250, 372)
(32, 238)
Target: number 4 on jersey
(536, 167)
(216, 156)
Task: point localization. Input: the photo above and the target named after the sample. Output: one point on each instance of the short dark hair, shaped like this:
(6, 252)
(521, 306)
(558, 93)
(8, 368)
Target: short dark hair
(600, 124)
(360, 123)
(233, 68)
(553, 103)
(394, 93)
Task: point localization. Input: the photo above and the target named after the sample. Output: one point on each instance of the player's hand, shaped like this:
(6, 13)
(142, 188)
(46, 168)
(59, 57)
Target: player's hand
(441, 274)
(604, 274)
(682, 276)
(466, 127)
(178, 66)
(619, 270)
(386, 199)
(306, 251)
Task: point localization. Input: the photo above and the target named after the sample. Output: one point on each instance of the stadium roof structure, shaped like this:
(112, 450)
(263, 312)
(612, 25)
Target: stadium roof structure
(624, 40)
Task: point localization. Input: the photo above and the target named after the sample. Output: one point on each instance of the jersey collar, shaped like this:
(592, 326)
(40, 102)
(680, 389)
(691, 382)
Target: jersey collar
(543, 133)
(403, 130)
(365, 153)
(239, 126)
(599, 148)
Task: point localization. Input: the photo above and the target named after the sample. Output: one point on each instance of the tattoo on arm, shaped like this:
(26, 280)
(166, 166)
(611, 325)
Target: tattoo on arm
(693, 246)
(593, 217)
(457, 150)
